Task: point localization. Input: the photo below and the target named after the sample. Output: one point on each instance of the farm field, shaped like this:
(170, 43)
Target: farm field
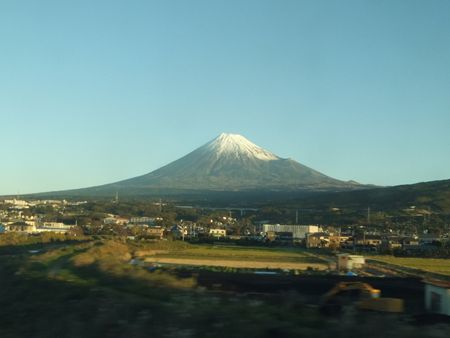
(433, 265)
(236, 257)
(237, 263)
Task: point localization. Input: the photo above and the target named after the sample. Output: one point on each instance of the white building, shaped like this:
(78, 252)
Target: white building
(56, 227)
(116, 220)
(437, 297)
(143, 220)
(298, 231)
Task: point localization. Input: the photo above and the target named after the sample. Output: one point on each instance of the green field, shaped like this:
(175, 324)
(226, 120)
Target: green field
(241, 253)
(233, 257)
(433, 265)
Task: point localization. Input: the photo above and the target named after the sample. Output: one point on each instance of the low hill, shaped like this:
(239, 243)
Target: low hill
(435, 194)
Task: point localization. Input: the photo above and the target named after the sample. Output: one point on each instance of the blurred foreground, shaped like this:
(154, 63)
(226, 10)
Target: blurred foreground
(85, 287)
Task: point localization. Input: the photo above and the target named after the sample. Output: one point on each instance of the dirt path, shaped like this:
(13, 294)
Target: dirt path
(236, 263)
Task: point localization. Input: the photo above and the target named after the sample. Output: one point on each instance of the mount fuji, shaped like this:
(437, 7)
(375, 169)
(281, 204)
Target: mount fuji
(230, 162)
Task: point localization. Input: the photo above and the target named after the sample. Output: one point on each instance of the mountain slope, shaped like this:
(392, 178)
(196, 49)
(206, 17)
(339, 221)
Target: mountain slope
(229, 162)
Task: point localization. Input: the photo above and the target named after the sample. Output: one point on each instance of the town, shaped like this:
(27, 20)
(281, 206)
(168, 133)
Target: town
(157, 220)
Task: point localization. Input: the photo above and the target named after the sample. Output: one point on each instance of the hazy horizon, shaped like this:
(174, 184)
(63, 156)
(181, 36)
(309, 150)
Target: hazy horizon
(97, 92)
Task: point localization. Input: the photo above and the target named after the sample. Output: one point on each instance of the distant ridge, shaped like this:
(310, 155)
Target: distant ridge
(229, 162)
(432, 195)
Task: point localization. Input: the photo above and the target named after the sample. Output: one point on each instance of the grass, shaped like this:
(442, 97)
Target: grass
(231, 256)
(434, 265)
(241, 253)
(97, 262)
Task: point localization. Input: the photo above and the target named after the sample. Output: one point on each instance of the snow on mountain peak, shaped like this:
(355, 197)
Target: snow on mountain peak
(237, 145)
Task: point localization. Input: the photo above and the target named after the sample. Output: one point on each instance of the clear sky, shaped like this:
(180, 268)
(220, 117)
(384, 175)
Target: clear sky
(92, 92)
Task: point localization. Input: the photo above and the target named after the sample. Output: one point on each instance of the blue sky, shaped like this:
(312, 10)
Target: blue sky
(92, 92)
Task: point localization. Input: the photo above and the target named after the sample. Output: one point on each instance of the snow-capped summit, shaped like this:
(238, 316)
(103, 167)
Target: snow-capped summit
(237, 146)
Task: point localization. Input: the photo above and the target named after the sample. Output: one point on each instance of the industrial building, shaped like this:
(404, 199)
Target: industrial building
(298, 231)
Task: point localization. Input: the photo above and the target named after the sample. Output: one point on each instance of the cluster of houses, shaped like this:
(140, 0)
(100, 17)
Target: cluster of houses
(17, 222)
(149, 228)
(375, 242)
(15, 219)
(23, 204)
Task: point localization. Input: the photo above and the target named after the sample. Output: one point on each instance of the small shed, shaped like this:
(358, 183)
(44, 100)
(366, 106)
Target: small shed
(347, 262)
(437, 297)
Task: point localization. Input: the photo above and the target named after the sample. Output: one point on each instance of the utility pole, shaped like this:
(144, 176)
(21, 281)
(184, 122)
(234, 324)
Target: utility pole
(368, 215)
(339, 238)
(354, 239)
